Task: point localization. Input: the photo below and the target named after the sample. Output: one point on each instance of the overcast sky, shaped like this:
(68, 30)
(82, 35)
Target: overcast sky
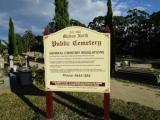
(35, 14)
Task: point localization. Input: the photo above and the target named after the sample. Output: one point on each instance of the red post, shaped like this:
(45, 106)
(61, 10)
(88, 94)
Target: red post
(49, 97)
(106, 95)
(49, 105)
(106, 105)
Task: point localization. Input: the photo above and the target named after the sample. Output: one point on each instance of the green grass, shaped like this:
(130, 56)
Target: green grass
(133, 111)
(71, 106)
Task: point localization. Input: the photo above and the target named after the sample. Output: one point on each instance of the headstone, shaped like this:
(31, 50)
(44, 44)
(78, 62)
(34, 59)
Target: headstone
(26, 62)
(25, 76)
(4, 80)
(117, 66)
(127, 63)
(1, 62)
(5, 55)
(15, 68)
(4, 85)
(11, 64)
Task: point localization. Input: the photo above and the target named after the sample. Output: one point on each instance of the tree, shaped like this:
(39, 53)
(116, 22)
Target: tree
(61, 17)
(155, 17)
(108, 21)
(19, 43)
(38, 44)
(138, 32)
(120, 24)
(97, 24)
(51, 27)
(74, 22)
(155, 35)
(11, 39)
(109, 16)
(28, 39)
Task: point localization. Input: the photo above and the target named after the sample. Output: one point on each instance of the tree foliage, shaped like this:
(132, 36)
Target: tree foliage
(136, 34)
(38, 45)
(61, 17)
(51, 27)
(109, 22)
(12, 47)
(97, 24)
(19, 43)
(108, 18)
(28, 39)
(155, 18)
(74, 22)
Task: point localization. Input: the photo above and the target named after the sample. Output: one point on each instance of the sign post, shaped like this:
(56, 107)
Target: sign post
(106, 95)
(49, 97)
(77, 59)
(49, 105)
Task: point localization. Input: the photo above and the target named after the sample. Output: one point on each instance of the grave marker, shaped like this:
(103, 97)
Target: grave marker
(1, 62)
(11, 64)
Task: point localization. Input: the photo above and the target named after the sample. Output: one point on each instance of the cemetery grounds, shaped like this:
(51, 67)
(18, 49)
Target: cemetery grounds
(129, 101)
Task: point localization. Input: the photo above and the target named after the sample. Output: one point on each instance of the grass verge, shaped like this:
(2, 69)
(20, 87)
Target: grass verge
(70, 106)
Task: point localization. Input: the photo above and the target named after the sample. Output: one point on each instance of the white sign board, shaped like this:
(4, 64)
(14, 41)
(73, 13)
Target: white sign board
(77, 59)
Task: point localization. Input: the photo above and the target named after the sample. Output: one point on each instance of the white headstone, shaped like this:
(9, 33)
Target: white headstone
(1, 62)
(26, 61)
(15, 68)
(11, 64)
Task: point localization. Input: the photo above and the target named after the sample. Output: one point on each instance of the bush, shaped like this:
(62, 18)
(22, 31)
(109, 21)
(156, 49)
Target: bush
(38, 75)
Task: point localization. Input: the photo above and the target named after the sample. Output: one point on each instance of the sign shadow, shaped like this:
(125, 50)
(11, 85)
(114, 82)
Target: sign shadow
(21, 92)
(87, 109)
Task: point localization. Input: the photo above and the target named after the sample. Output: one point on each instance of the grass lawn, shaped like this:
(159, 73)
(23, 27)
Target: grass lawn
(26, 104)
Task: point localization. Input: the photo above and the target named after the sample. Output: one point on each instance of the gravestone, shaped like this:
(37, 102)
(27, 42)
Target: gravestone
(26, 61)
(1, 67)
(24, 75)
(4, 85)
(11, 64)
(5, 55)
(4, 79)
(1, 62)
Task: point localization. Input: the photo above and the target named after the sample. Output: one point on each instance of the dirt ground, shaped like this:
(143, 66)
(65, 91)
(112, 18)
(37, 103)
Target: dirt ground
(131, 92)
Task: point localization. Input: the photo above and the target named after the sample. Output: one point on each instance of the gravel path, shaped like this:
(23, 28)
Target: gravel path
(131, 92)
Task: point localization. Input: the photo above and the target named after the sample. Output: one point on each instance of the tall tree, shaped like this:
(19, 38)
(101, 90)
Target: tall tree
(138, 32)
(97, 24)
(39, 44)
(108, 21)
(155, 17)
(61, 14)
(11, 39)
(20, 45)
(51, 27)
(121, 43)
(28, 39)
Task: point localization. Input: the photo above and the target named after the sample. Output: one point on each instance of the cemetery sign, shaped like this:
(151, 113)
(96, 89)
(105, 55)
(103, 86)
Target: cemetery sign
(77, 59)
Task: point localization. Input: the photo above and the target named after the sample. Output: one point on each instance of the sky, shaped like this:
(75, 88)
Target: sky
(36, 14)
